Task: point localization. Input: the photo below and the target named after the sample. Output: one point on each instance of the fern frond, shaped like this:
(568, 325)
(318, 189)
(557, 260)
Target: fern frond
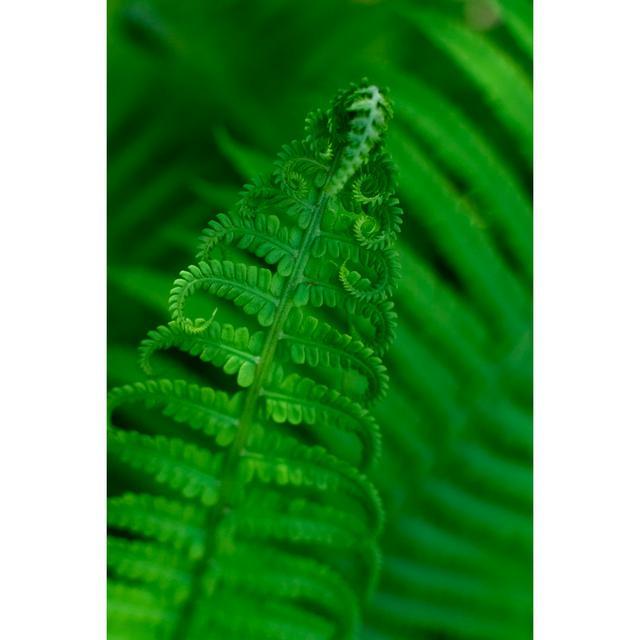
(297, 400)
(255, 290)
(288, 577)
(213, 412)
(171, 522)
(307, 340)
(303, 522)
(503, 81)
(235, 350)
(373, 278)
(138, 612)
(286, 462)
(360, 118)
(263, 235)
(185, 468)
(258, 498)
(269, 619)
(149, 563)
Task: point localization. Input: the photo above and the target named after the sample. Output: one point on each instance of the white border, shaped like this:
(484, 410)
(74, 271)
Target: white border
(52, 350)
(587, 320)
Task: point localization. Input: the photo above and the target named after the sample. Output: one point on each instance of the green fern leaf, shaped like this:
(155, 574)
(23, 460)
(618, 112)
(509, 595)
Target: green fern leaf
(256, 499)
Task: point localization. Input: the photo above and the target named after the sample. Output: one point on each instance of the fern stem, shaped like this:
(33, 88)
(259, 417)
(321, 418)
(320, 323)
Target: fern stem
(229, 486)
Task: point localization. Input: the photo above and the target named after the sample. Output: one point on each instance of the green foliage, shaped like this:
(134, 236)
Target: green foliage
(201, 95)
(261, 499)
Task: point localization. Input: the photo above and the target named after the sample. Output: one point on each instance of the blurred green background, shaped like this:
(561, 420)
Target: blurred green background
(202, 93)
